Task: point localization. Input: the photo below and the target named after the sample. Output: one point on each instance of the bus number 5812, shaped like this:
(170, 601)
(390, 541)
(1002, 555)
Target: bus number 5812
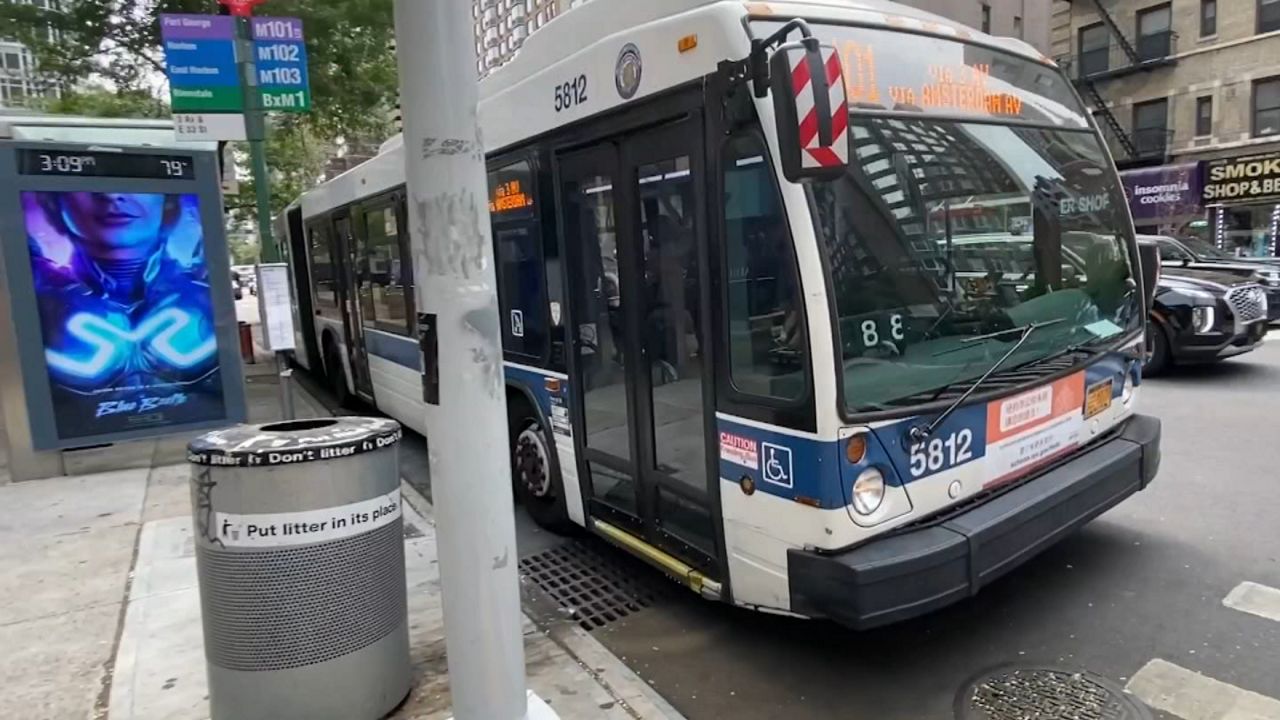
(938, 453)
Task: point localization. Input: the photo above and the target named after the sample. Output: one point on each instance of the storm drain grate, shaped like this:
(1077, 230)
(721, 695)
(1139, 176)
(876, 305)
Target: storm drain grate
(593, 588)
(1039, 693)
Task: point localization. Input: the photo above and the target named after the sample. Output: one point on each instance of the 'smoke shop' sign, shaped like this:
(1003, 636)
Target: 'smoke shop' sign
(1242, 179)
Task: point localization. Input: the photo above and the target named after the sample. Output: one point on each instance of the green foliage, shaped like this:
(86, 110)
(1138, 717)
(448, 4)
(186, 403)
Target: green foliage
(98, 102)
(117, 42)
(243, 249)
(296, 158)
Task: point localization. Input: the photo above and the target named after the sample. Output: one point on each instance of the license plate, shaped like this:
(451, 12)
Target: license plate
(1097, 398)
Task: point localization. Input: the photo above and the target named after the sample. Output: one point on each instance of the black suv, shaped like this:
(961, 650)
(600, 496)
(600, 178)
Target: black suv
(1203, 315)
(1197, 254)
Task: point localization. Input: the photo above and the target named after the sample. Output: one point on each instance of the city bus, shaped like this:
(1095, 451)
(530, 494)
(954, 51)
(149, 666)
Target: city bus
(736, 342)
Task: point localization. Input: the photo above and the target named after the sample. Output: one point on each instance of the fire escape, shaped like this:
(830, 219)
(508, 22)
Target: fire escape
(1102, 53)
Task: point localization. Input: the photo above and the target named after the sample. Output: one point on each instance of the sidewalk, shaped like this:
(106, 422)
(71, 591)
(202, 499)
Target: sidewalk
(100, 612)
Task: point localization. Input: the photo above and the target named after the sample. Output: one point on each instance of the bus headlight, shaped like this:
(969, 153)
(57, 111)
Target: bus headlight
(1202, 317)
(868, 491)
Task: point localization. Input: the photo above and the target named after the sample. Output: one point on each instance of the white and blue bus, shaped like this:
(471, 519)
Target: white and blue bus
(737, 341)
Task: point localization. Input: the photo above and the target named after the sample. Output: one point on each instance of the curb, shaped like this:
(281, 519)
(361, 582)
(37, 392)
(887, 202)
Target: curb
(641, 700)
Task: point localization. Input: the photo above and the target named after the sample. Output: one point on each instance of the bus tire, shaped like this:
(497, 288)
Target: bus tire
(1158, 358)
(535, 474)
(335, 375)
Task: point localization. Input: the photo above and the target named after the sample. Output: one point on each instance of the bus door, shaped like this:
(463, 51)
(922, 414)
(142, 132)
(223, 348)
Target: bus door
(351, 266)
(635, 233)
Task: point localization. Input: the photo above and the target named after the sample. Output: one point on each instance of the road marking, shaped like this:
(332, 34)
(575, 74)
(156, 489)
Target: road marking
(1255, 599)
(1192, 696)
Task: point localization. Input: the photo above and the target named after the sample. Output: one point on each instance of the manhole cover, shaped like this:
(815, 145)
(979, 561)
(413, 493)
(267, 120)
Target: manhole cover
(1044, 693)
(591, 587)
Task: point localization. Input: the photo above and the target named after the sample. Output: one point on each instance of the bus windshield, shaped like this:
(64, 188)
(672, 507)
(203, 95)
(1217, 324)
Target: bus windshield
(947, 228)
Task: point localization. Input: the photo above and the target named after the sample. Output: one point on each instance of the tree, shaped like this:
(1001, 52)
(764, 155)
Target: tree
(352, 67)
(100, 102)
(116, 43)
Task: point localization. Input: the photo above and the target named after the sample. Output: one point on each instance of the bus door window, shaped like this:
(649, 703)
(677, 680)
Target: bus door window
(322, 275)
(670, 329)
(590, 233)
(768, 350)
(387, 307)
(360, 276)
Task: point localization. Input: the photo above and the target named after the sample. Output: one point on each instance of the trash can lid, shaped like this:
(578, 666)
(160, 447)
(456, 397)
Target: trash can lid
(293, 441)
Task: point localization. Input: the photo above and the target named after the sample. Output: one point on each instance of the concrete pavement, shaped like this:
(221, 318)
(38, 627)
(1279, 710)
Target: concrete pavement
(100, 613)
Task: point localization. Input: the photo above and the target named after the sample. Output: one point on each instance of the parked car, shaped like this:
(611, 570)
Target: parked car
(1200, 255)
(248, 277)
(1203, 315)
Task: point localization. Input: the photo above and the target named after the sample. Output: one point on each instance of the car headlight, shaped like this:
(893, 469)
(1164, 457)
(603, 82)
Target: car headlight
(868, 491)
(1202, 318)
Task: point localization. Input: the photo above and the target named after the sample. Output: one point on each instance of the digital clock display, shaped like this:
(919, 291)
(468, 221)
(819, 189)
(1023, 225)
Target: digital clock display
(105, 164)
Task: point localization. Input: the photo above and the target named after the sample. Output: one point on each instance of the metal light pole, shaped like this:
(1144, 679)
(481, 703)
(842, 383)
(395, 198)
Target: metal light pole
(458, 331)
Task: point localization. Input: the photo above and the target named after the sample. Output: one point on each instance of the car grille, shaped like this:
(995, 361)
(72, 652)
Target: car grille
(1248, 303)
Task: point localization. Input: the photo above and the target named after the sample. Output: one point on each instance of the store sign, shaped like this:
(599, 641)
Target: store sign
(1162, 192)
(1242, 180)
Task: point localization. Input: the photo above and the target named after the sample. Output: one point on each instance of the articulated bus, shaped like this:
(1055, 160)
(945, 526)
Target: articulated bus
(736, 341)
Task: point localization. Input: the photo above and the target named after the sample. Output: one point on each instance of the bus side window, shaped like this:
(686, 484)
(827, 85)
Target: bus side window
(768, 346)
(517, 238)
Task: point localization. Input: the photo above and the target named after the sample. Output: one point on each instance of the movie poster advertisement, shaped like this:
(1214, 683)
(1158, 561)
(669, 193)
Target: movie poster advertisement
(126, 315)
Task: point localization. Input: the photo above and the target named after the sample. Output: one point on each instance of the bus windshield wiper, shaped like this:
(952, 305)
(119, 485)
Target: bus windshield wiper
(919, 433)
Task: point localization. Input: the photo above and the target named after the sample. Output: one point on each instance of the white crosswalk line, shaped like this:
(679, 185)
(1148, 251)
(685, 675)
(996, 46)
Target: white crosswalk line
(1192, 696)
(1255, 599)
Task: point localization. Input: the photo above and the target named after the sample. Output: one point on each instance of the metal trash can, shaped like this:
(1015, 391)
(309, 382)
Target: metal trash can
(300, 554)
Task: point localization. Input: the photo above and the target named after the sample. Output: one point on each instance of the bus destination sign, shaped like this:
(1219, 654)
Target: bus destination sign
(891, 71)
(509, 196)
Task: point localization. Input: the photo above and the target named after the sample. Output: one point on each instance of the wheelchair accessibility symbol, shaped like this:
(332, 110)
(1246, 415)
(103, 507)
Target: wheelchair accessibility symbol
(775, 466)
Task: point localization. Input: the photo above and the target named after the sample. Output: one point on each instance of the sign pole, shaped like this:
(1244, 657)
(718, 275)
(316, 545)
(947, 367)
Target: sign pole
(255, 131)
(458, 333)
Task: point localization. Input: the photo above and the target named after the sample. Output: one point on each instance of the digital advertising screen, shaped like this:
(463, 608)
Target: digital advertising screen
(126, 313)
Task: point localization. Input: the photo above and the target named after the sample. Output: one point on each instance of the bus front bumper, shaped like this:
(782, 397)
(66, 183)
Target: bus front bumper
(921, 570)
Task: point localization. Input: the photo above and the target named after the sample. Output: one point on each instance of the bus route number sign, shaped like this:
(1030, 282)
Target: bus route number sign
(571, 93)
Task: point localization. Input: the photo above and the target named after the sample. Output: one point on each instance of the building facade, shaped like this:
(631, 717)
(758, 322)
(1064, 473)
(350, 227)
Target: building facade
(1188, 94)
(1026, 20)
(21, 84)
(502, 25)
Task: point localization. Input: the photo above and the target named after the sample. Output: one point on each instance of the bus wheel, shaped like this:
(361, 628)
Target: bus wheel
(1157, 350)
(537, 481)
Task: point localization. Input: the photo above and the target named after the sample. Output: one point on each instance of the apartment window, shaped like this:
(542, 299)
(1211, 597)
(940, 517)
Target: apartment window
(1204, 116)
(1266, 107)
(1268, 15)
(1208, 18)
(1155, 32)
(12, 61)
(1095, 45)
(986, 18)
(1151, 127)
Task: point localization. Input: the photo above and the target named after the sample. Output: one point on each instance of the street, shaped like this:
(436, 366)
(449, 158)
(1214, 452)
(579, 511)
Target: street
(1146, 582)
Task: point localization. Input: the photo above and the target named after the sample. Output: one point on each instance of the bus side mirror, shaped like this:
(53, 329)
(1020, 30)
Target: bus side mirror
(812, 112)
(1149, 259)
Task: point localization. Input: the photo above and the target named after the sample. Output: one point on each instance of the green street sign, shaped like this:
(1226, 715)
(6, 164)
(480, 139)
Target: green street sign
(286, 100)
(206, 99)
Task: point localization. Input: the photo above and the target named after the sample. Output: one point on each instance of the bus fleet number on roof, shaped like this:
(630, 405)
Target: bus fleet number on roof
(571, 93)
